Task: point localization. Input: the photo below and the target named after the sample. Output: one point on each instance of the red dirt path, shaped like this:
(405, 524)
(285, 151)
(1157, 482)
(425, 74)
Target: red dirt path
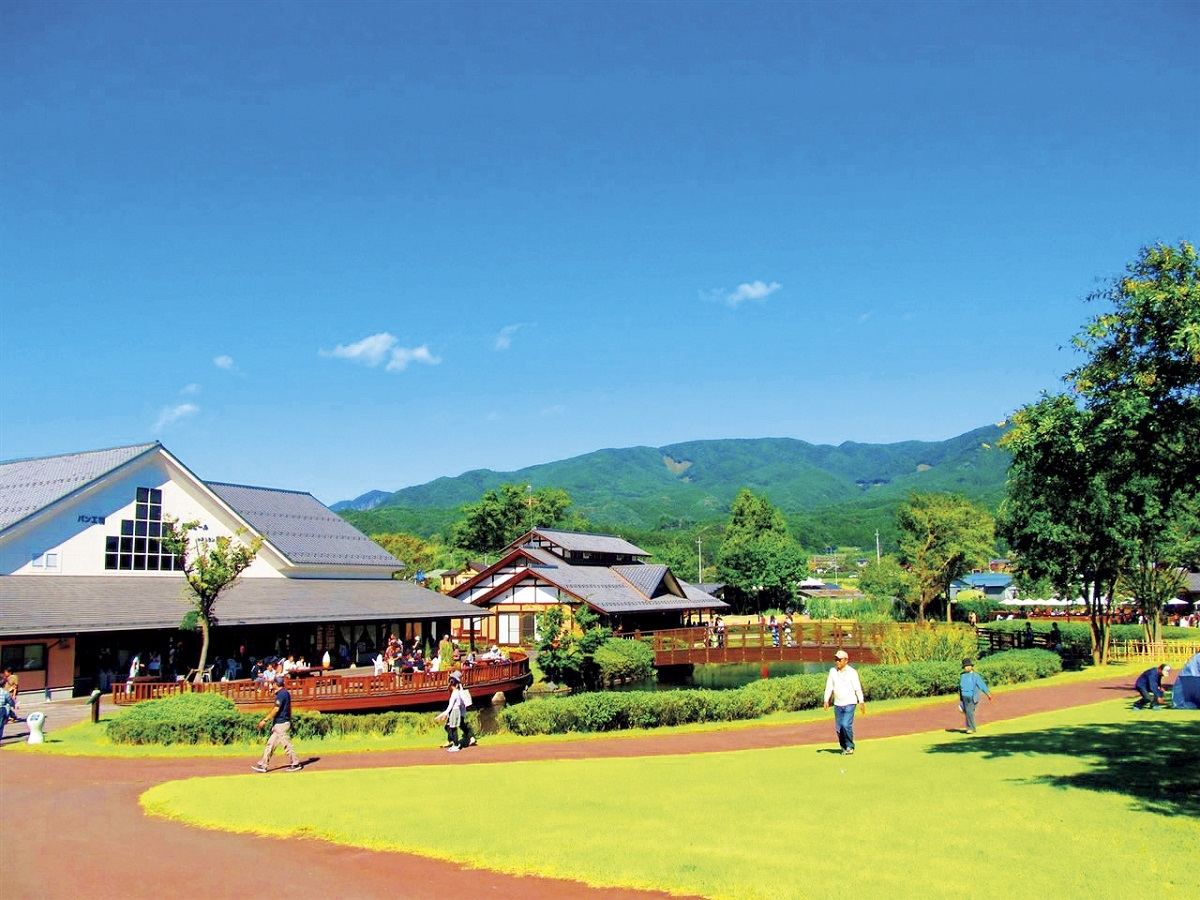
(73, 825)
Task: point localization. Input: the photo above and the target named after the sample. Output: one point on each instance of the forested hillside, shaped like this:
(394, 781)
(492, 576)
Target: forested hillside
(831, 495)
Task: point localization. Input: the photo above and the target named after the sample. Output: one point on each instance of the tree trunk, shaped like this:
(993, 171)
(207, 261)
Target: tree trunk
(203, 649)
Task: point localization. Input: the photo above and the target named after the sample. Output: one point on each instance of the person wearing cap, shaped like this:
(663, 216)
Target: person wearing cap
(1150, 685)
(846, 691)
(970, 686)
(281, 726)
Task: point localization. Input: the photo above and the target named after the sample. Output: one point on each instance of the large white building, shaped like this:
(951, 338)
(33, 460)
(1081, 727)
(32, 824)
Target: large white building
(85, 582)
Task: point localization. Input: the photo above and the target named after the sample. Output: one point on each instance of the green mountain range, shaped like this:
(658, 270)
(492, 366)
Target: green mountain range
(830, 494)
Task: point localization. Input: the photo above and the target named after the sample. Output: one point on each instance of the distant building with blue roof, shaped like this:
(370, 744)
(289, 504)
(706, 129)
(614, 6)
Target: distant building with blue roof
(994, 585)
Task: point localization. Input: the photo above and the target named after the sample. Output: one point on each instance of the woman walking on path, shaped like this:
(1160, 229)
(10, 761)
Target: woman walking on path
(454, 713)
(970, 686)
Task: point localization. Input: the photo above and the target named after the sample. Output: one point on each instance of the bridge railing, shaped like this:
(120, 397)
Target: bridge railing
(320, 686)
(752, 641)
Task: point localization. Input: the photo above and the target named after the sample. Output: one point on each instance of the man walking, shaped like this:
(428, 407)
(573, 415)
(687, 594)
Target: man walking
(281, 727)
(970, 686)
(1150, 686)
(846, 690)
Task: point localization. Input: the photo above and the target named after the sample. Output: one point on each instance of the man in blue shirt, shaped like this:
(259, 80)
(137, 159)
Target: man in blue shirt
(1150, 686)
(281, 725)
(970, 686)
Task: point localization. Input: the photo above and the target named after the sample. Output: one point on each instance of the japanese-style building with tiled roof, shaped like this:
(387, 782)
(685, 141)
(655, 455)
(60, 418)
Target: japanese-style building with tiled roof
(546, 567)
(85, 582)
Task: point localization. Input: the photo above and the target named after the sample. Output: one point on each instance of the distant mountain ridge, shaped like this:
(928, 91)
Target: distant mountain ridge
(652, 487)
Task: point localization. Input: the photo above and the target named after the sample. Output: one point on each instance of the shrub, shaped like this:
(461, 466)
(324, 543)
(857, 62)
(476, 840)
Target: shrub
(200, 718)
(618, 659)
(209, 718)
(609, 711)
(947, 643)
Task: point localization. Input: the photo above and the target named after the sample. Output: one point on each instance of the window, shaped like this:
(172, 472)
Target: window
(24, 657)
(138, 548)
(47, 560)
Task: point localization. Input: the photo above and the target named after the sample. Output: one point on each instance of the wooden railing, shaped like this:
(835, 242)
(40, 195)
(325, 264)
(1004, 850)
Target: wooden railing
(1174, 651)
(325, 687)
(758, 643)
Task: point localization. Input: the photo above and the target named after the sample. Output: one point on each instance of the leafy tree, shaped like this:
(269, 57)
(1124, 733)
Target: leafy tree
(415, 554)
(209, 567)
(758, 559)
(1141, 379)
(1061, 517)
(565, 657)
(942, 536)
(1129, 431)
(505, 513)
(886, 579)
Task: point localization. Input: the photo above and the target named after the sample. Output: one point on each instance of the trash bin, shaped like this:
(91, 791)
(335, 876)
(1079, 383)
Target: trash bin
(36, 722)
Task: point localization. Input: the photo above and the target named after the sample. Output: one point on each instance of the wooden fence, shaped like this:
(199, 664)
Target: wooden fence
(1151, 652)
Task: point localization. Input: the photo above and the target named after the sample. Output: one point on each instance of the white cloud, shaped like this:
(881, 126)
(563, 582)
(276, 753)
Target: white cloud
(373, 350)
(402, 356)
(223, 362)
(370, 351)
(504, 338)
(190, 390)
(556, 410)
(170, 414)
(751, 290)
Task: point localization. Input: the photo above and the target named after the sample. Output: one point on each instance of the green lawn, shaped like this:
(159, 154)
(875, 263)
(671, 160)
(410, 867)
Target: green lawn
(86, 739)
(1097, 801)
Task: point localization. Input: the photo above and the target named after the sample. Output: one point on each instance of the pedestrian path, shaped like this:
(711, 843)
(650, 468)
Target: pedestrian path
(86, 809)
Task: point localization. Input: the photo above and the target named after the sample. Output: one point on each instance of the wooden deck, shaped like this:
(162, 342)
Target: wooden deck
(347, 692)
(810, 642)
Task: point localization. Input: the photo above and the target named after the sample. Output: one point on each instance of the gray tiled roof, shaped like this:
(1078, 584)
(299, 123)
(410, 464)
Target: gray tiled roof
(28, 485)
(58, 604)
(609, 592)
(645, 578)
(594, 543)
(302, 528)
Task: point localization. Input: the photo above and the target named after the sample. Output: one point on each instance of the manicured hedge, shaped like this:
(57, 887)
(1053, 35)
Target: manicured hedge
(204, 718)
(612, 711)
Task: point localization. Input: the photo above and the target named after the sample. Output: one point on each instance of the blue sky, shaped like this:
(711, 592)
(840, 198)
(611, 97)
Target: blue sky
(337, 247)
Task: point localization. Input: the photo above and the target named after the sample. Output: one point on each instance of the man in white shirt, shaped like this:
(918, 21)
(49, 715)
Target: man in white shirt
(846, 690)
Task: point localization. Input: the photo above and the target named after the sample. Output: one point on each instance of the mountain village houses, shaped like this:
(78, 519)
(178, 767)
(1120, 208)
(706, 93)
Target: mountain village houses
(85, 583)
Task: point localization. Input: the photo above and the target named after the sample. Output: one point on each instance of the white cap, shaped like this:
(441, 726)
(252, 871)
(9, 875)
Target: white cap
(841, 654)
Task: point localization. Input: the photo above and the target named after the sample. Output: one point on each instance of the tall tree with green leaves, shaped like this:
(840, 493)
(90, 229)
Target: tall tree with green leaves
(1141, 379)
(209, 568)
(505, 513)
(886, 579)
(415, 554)
(1128, 429)
(759, 559)
(942, 537)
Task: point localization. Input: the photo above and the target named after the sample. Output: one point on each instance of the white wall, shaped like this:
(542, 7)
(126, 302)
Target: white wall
(80, 544)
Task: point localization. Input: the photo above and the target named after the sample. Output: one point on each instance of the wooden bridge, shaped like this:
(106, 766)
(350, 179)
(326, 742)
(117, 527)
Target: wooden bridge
(807, 641)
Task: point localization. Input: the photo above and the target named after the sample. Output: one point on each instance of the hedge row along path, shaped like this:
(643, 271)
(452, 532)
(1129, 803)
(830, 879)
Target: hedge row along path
(73, 826)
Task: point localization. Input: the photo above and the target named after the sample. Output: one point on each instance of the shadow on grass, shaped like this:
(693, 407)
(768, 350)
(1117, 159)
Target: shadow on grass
(1152, 760)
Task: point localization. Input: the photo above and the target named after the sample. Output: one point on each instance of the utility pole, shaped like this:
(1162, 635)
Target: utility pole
(878, 556)
(699, 563)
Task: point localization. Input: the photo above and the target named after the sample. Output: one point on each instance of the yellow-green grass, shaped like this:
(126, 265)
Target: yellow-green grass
(1096, 801)
(86, 739)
